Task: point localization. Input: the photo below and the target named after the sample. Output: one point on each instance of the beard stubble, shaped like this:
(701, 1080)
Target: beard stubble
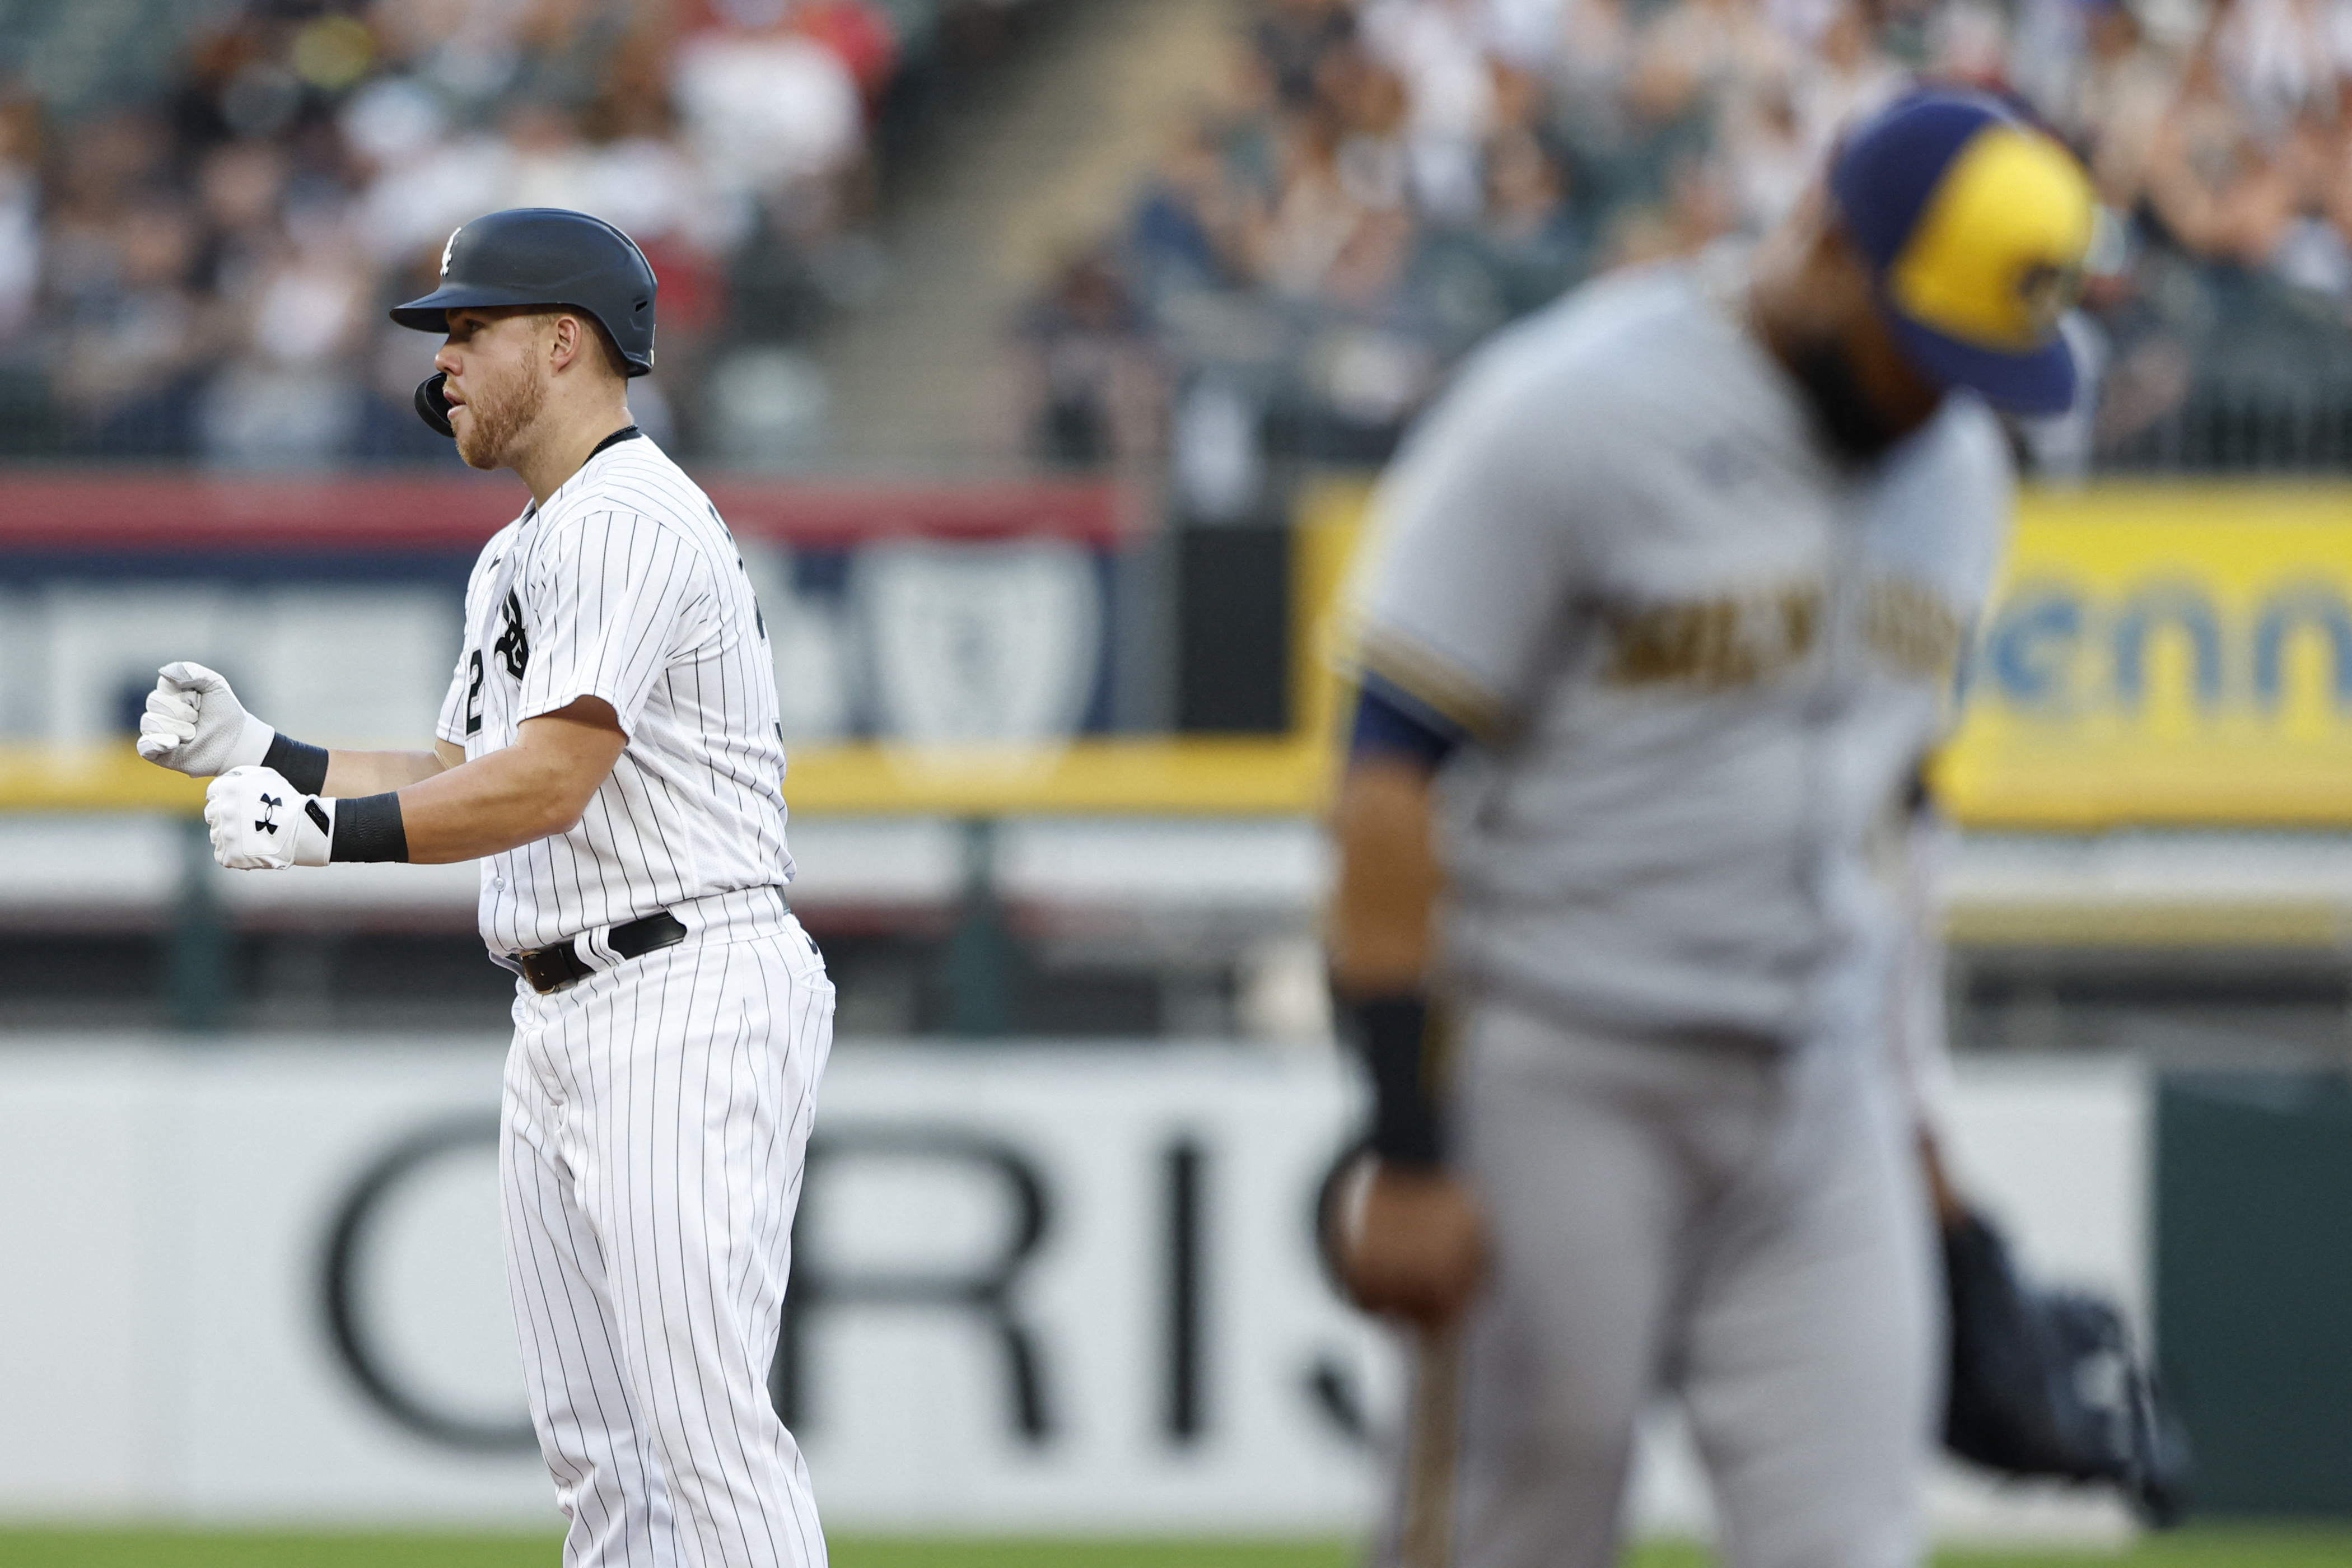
(1843, 413)
(501, 411)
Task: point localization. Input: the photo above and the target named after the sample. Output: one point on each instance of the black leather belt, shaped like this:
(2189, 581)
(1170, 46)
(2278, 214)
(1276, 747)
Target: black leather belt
(552, 968)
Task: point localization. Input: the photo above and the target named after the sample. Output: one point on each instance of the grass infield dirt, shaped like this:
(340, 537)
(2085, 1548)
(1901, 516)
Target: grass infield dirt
(203, 1549)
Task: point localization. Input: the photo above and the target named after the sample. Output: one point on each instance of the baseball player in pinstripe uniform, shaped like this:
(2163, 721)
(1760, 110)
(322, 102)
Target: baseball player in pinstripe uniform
(609, 750)
(1662, 607)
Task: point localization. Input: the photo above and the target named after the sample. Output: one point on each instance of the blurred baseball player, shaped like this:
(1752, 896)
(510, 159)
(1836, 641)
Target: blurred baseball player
(609, 750)
(1662, 606)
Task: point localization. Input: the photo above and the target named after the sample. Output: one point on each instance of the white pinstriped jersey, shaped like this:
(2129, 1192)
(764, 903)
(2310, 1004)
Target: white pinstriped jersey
(625, 586)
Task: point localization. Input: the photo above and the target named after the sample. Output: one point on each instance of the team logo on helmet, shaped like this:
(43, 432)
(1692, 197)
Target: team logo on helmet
(2047, 292)
(450, 247)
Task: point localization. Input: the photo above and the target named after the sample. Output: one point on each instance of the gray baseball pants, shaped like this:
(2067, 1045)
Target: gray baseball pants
(1737, 1225)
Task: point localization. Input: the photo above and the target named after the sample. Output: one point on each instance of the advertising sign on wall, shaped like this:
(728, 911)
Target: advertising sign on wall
(920, 616)
(2174, 653)
(1051, 1289)
(1065, 1288)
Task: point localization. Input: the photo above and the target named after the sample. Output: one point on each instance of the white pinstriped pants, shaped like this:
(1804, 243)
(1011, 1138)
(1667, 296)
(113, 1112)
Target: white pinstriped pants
(656, 1114)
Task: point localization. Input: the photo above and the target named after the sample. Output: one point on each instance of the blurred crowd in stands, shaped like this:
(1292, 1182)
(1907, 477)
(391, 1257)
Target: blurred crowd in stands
(201, 270)
(1396, 178)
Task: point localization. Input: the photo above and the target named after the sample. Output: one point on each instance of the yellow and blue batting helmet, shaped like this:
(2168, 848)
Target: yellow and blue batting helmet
(1977, 226)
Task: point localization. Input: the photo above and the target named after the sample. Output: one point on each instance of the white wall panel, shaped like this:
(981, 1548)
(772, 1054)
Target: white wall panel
(166, 1213)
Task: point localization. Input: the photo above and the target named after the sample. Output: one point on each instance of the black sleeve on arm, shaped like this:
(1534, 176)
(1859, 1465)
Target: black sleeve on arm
(369, 827)
(304, 767)
(1395, 1036)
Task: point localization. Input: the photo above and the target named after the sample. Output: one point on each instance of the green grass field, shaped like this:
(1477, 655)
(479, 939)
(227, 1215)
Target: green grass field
(194, 1549)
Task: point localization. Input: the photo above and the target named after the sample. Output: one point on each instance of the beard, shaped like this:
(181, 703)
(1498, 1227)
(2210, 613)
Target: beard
(502, 412)
(1842, 412)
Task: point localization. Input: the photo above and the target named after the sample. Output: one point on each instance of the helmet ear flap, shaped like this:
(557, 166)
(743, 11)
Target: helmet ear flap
(431, 406)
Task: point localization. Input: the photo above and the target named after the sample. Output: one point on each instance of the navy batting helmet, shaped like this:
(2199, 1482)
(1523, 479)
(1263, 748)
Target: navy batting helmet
(539, 256)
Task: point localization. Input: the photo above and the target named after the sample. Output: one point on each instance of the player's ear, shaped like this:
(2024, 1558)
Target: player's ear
(565, 339)
(1836, 270)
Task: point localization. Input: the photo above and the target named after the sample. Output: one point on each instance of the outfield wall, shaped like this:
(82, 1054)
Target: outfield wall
(2175, 655)
(1135, 1220)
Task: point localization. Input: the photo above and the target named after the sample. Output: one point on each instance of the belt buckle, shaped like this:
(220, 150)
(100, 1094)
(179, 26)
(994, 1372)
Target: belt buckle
(551, 968)
(561, 964)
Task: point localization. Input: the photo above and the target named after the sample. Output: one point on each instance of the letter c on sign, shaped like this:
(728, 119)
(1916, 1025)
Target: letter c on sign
(347, 1241)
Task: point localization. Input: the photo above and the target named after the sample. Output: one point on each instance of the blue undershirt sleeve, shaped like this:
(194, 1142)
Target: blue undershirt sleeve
(1390, 722)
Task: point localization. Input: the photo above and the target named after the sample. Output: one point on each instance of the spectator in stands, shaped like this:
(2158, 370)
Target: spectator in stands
(1375, 355)
(860, 36)
(1693, 55)
(289, 395)
(1775, 130)
(123, 327)
(1590, 62)
(1398, 177)
(20, 224)
(1698, 208)
(2314, 254)
(1344, 162)
(1294, 37)
(2281, 60)
(1530, 231)
(240, 188)
(771, 109)
(1972, 41)
(2221, 191)
(1767, 150)
(1088, 377)
(134, 335)
(1438, 49)
(1189, 228)
(1525, 248)
(771, 112)
(477, 56)
(1847, 74)
(729, 137)
(646, 178)
(2116, 99)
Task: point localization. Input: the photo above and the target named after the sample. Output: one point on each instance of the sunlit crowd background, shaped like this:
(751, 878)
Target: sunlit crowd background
(194, 263)
(197, 237)
(1396, 179)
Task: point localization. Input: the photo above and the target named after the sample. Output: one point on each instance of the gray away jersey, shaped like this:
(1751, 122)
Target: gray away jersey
(1701, 655)
(626, 586)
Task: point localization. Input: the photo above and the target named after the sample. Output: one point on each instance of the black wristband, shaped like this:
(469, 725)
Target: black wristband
(1393, 1034)
(304, 767)
(368, 827)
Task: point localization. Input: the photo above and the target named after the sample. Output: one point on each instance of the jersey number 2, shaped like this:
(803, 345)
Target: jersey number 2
(474, 694)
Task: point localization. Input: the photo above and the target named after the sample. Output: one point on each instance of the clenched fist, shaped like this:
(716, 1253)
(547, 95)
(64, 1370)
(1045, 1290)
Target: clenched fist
(261, 823)
(1406, 1242)
(194, 724)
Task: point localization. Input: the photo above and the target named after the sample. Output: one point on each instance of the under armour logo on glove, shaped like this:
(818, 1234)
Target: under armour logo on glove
(512, 647)
(251, 830)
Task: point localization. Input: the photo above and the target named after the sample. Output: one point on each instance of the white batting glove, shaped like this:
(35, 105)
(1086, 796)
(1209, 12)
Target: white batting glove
(261, 823)
(194, 724)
